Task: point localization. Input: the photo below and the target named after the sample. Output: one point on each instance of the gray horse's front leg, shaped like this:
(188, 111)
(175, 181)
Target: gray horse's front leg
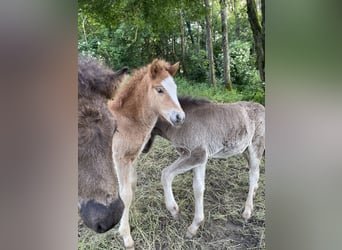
(195, 160)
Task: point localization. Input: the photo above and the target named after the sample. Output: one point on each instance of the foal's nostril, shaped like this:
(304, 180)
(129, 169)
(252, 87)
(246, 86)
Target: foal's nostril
(178, 118)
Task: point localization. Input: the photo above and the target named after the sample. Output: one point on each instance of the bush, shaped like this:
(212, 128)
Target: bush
(197, 65)
(255, 93)
(242, 65)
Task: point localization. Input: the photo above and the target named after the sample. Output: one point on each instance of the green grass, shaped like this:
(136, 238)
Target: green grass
(218, 94)
(154, 228)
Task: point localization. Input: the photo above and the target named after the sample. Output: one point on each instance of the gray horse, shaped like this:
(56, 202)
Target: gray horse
(100, 205)
(212, 130)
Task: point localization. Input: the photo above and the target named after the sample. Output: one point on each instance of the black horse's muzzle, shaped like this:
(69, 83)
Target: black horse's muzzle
(99, 217)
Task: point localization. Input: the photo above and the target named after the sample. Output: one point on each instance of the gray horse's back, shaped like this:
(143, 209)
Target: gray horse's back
(255, 111)
(224, 129)
(242, 122)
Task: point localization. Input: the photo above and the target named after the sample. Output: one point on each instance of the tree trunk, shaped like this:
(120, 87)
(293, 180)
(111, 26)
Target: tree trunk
(212, 25)
(225, 46)
(188, 25)
(258, 36)
(209, 44)
(174, 54)
(237, 21)
(200, 28)
(182, 41)
(263, 27)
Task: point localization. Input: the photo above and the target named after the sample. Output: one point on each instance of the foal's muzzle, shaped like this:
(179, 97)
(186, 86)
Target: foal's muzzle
(99, 217)
(177, 118)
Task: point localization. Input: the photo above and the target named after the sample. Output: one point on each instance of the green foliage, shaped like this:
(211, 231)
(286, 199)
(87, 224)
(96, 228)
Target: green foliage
(197, 65)
(123, 46)
(242, 64)
(240, 19)
(254, 92)
(131, 33)
(202, 89)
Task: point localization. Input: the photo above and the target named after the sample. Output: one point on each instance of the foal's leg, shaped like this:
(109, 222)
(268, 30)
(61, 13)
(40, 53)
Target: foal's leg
(125, 174)
(254, 156)
(166, 179)
(184, 163)
(199, 186)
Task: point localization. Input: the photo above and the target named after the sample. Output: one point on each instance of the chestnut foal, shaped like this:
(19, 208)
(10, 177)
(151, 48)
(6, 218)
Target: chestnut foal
(148, 94)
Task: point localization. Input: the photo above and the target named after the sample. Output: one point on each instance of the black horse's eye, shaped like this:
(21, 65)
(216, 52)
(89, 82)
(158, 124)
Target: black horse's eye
(160, 90)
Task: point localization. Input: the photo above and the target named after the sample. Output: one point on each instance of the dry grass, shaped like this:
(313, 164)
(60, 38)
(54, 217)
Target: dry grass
(153, 227)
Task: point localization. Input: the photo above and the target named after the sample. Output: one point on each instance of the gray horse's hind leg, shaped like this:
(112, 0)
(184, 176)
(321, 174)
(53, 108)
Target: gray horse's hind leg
(184, 163)
(199, 186)
(254, 155)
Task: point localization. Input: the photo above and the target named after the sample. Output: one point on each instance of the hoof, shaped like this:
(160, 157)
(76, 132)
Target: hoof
(176, 216)
(128, 243)
(189, 235)
(191, 232)
(175, 213)
(130, 246)
(246, 215)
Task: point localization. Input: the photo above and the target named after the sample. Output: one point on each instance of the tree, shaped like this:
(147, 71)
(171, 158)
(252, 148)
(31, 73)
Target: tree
(258, 35)
(209, 43)
(237, 22)
(225, 46)
(132, 33)
(182, 31)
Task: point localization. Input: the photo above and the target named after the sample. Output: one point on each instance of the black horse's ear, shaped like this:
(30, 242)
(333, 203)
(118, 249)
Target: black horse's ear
(120, 72)
(113, 81)
(155, 68)
(117, 75)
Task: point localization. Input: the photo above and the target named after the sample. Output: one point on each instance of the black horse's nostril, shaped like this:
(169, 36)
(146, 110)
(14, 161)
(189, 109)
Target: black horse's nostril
(100, 228)
(99, 217)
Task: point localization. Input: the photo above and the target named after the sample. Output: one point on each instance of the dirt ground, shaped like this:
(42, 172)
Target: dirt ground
(154, 228)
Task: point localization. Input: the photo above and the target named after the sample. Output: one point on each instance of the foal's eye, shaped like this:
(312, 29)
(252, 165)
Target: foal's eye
(160, 90)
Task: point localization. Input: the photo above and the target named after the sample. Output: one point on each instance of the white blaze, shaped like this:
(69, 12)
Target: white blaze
(171, 88)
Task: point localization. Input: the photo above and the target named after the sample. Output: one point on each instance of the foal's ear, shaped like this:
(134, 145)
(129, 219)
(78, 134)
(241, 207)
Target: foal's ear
(155, 68)
(173, 68)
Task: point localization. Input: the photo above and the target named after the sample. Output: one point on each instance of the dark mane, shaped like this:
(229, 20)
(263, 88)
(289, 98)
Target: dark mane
(188, 102)
(95, 78)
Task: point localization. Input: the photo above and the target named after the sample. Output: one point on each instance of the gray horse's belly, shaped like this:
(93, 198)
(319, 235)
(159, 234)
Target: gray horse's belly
(230, 149)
